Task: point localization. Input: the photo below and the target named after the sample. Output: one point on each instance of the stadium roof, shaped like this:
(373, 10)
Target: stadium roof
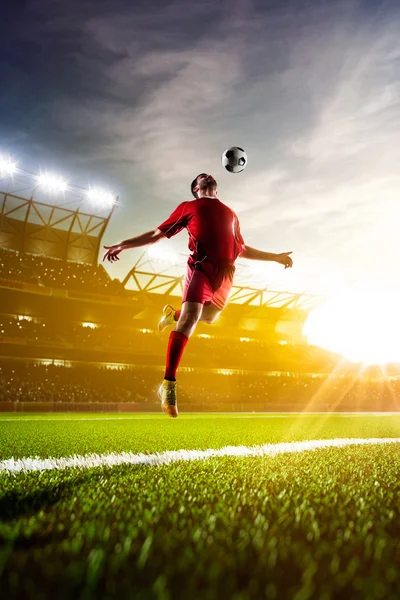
(165, 276)
(73, 234)
(27, 225)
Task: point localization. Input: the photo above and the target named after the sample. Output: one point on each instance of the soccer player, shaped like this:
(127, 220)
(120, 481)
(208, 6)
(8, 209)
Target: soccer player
(215, 242)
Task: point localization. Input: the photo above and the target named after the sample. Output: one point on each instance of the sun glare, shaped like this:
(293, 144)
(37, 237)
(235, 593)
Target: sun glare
(361, 326)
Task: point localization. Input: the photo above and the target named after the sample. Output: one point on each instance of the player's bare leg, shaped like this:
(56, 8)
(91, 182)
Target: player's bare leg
(188, 319)
(209, 314)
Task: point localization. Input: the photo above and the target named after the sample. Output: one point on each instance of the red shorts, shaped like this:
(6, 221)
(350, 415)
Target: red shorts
(208, 282)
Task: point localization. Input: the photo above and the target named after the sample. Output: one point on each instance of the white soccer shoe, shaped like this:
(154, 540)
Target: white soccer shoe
(167, 318)
(167, 395)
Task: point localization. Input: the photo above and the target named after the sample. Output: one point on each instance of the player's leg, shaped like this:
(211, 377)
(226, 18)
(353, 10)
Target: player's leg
(210, 313)
(189, 317)
(190, 314)
(178, 338)
(197, 290)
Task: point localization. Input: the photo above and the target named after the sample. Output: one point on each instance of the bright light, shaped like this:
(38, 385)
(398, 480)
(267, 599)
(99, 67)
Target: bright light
(145, 330)
(100, 197)
(245, 339)
(89, 325)
(7, 167)
(50, 363)
(259, 269)
(204, 336)
(52, 183)
(362, 326)
(160, 254)
(24, 318)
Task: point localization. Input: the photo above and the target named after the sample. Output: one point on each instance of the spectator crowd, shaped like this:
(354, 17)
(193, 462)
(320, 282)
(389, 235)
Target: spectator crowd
(35, 382)
(52, 272)
(219, 352)
(220, 371)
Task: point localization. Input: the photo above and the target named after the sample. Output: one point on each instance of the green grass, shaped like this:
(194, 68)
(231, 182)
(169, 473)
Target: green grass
(322, 524)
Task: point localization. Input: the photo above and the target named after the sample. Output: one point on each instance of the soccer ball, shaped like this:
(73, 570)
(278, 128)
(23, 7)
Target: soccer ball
(234, 159)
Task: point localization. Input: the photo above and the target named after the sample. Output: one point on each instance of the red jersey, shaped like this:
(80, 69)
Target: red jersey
(214, 231)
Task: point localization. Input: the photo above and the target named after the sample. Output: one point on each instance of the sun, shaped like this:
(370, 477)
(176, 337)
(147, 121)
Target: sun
(363, 326)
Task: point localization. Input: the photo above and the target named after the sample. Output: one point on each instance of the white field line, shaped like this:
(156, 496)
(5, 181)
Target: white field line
(88, 461)
(255, 415)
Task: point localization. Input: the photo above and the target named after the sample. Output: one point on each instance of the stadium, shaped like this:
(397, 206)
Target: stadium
(104, 497)
(62, 318)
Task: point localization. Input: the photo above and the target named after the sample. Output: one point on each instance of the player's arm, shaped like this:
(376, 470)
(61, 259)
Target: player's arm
(254, 254)
(145, 239)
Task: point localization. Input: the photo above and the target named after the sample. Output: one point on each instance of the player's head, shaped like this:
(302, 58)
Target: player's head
(202, 183)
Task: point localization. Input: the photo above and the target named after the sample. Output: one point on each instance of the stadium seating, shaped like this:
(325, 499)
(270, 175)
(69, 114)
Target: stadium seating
(45, 271)
(215, 352)
(34, 382)
(244, 370)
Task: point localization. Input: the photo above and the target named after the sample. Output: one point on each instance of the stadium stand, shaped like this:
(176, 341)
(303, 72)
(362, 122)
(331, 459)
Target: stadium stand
(71, 338)
(52, 272)
(25, 382)
(131, 344)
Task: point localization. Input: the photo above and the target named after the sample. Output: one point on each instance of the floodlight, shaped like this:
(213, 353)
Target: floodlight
(100, 197)
(52, 183)
(7, 166)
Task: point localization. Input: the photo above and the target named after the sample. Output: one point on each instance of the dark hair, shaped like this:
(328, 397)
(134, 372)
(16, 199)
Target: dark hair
(194, 183)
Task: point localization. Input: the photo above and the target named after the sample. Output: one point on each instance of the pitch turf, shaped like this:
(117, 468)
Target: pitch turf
(319, 524)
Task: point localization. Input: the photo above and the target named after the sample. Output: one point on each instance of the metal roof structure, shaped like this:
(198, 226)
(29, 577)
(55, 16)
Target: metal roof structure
(72, 234)
(161, 277)
(29, 226)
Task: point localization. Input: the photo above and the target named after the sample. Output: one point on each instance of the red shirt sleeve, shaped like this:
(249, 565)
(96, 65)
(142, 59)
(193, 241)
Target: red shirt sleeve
(177, 221)
(238, 236)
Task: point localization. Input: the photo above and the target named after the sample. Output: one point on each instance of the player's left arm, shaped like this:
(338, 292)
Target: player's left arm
(253, 254)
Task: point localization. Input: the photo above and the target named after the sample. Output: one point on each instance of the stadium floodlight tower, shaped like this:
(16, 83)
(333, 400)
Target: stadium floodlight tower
(52, 183)
(7, 167)
(69, 227)
(101, 198)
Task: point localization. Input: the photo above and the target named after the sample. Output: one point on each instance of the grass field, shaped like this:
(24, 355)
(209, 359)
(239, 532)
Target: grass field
(319, 523)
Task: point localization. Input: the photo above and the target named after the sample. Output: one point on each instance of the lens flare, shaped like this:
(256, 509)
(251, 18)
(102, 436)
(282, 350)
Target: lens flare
(362, 326)
(51, 182)
(100, 198)
(7, 167)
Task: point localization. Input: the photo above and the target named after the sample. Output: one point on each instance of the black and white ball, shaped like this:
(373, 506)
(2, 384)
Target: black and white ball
(234, 159)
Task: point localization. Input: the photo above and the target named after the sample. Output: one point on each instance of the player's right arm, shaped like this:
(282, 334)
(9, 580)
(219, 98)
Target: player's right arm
(173, 225)
(145, 239)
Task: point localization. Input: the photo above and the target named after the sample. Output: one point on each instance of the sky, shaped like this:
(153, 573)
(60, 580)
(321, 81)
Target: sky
(142, 96)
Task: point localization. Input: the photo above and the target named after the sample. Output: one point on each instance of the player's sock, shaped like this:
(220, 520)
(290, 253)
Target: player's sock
(177, 314)
(176, 345)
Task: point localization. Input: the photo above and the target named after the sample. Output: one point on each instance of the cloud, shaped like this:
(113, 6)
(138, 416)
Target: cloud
(339, 192)
(171, 124)
(154, 94)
